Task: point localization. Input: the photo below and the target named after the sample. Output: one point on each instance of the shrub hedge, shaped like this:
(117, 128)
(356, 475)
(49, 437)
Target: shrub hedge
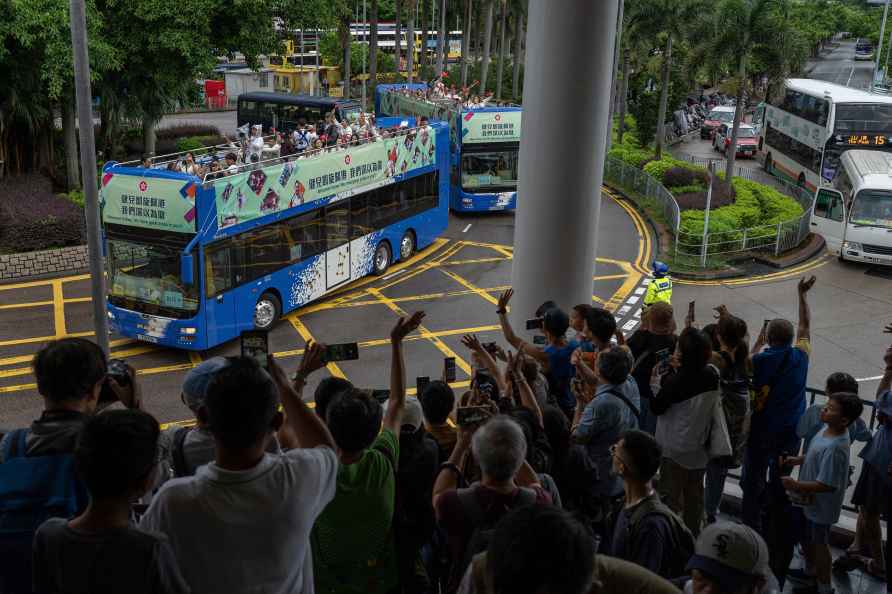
(33, 218)
(742, 205)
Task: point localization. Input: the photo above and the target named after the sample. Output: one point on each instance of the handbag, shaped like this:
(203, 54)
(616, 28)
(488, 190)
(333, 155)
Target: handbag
(718, 442)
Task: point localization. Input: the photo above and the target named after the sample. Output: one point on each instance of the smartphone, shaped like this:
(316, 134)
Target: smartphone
(471, 415)
(534, 324)
(347, 351)
(120, 371)
(449, 369)
(691, 310)
(420, 384)
(539, 339)
(255, 343)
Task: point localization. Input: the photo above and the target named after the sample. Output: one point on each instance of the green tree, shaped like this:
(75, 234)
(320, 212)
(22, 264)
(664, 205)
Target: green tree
(672, 18)
(744, 28)
(37, 74)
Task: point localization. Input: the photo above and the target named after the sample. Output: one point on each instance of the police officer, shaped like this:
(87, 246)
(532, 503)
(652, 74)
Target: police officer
(660, 287)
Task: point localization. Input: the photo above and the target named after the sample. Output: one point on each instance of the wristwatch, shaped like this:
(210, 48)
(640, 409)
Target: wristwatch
(449, 465)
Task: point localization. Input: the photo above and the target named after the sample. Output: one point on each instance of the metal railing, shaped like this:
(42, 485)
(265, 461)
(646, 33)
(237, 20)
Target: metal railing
(713, 249)
(813, 394)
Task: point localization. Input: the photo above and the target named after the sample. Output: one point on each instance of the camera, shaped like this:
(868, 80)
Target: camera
(118, 370)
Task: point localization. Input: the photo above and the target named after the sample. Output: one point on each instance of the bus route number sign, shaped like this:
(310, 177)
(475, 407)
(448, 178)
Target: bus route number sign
(865, 140)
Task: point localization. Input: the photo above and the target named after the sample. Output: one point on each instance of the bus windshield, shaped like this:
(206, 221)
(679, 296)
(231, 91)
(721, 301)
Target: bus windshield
(721, 116)
(872, 208)
(489, 170)
(146, 278)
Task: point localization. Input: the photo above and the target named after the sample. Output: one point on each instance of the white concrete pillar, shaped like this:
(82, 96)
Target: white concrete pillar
(566, 98)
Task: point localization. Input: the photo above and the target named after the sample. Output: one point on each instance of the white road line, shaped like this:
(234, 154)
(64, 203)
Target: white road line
(850, 75)
(624, 310)
(640, 290)
(646, 281)
(397, 273)
(465, 230)
(637, 314)
(632, 300)
(629, 325)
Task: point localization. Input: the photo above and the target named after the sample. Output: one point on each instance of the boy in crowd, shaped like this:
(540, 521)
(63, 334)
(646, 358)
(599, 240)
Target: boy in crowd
(99, 551)
(822, 483)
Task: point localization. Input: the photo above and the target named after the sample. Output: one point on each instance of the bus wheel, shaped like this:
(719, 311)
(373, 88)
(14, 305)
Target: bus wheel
(267, 311)
(382, 258)
(407, 245)
(801, 181)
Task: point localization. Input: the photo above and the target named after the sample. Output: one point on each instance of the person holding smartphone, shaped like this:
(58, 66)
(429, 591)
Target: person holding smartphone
(554, 357)
(651, 344)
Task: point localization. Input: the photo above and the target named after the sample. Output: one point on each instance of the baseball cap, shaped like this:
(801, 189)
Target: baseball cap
(411, 413)
(195, 386)
(730, 553)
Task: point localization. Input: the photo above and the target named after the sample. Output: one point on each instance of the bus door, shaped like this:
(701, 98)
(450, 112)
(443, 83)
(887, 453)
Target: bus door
(220, 305)
(337, 244)
(828, 218)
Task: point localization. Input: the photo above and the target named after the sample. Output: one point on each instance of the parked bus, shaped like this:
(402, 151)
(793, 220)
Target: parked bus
(484, 146)
(193, 262)
(855, 215)
(283, 111)
(813, 122)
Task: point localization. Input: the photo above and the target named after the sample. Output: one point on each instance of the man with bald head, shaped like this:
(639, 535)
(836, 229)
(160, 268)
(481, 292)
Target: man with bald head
(780, 372)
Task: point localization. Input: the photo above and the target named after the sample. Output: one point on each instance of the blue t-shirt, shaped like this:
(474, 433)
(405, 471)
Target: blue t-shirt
(878, 451)
(786, 402)
(560, 372)
(827, 462)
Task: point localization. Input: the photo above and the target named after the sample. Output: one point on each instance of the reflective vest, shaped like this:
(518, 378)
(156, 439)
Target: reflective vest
(659, 289)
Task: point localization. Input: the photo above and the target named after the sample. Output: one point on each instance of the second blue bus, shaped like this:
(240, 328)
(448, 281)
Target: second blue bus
(484, 145)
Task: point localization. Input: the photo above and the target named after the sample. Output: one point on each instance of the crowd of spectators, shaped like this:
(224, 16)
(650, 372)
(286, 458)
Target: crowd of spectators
(438, 92)
(306, 140)
(588, 463)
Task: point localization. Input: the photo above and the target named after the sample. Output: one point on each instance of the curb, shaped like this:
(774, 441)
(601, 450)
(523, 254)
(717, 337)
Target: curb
(815, 246)
(43, 263)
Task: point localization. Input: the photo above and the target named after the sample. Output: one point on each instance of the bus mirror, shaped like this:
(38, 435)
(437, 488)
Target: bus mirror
(186, 268)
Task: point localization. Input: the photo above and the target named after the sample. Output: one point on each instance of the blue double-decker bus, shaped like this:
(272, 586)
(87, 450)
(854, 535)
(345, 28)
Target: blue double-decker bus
(484, 145)
(193, 262)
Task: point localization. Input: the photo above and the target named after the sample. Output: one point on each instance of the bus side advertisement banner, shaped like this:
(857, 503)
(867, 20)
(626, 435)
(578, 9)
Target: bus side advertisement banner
(149, 202)
(490, 126)
(252, 194)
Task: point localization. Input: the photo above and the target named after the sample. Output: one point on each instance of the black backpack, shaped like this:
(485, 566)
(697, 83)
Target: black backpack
(485, 523)
(177, 453)
(682, 539)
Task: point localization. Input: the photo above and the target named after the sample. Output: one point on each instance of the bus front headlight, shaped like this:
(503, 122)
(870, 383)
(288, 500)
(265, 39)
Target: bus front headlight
(852, 245)
(187, 330)
(111, 315)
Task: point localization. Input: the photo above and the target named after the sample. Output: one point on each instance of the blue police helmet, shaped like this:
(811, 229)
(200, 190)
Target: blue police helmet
(660, 269)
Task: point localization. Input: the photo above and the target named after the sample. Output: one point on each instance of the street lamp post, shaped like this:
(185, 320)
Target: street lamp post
(876, 68)
(88, 167)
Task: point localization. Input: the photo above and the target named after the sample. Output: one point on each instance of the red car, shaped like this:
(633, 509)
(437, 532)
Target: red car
(747, 141)
(721, 114)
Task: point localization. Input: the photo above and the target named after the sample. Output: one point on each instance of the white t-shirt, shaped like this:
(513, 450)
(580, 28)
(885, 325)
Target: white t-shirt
(247, 531)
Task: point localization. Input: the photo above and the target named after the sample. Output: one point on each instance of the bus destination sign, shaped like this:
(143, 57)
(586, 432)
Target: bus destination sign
(865, 140)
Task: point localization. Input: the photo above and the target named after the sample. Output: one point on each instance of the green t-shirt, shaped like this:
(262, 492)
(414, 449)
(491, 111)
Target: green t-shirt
(353, 547)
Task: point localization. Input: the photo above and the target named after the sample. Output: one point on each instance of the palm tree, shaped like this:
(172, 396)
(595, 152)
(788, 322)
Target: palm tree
(503, 27)
(466, 42)
(487, 45)
(672, 18)
(442, 36)
(373, 46)
(518, 10)
(422, 20)
(743, 29)
(397, 41)
(410, 40)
